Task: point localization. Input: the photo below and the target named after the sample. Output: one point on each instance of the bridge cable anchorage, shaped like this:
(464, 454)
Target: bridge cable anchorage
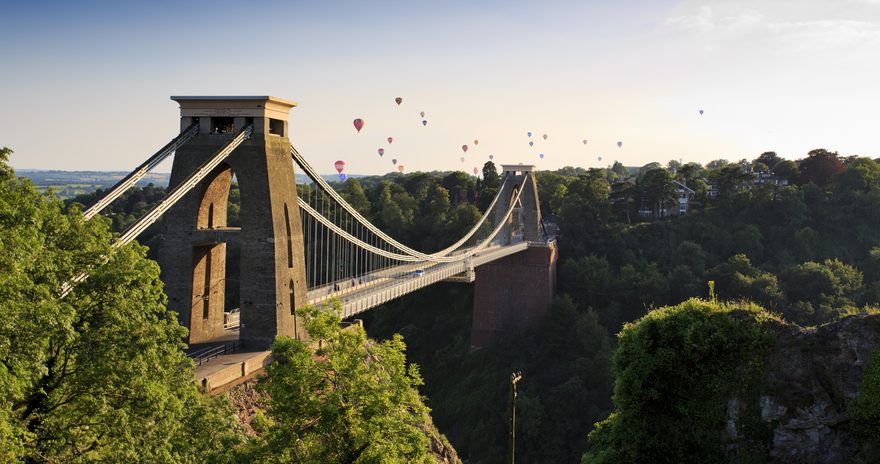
(133, 177)
(170, 198)
(441, 256)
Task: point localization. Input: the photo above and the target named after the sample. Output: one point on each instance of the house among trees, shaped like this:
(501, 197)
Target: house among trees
(650, 209)
(685, 197)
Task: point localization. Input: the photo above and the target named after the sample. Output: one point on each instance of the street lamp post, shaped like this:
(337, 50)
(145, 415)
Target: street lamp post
(514, 378)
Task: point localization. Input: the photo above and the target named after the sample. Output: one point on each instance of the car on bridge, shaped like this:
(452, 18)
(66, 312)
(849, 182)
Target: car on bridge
(418, 273)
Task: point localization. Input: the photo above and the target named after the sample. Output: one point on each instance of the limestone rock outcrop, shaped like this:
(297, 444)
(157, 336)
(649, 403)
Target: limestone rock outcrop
(810, 376)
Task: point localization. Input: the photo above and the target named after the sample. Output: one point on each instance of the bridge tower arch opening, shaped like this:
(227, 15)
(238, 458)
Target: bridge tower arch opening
(269, 241)
(214, 261)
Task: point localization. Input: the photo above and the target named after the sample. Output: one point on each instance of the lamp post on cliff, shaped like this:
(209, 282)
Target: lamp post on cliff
(514, 378)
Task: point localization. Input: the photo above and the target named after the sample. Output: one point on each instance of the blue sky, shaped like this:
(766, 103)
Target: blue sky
(85, 85)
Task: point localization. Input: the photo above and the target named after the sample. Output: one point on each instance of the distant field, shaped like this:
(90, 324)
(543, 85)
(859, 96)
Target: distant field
(68, 184)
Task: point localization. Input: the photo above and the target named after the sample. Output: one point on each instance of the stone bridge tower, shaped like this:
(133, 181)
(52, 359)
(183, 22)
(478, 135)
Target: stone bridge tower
(514, 292)
(196, 234)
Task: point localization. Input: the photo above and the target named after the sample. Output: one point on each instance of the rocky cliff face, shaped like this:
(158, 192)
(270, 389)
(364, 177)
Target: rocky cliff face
(247, 400)
(810, 376)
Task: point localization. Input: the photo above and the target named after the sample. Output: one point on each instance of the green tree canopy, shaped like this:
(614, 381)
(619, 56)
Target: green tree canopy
(819, 167)
(99, 375)
(341, 398)
(674, 372)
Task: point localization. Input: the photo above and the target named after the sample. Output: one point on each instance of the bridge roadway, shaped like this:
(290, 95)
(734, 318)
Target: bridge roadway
(390, 283)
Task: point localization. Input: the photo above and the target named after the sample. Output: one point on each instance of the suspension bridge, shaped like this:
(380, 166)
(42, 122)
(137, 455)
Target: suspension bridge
(305, 245)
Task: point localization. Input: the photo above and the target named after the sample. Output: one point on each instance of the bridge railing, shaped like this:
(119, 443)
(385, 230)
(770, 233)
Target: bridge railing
(202, 356)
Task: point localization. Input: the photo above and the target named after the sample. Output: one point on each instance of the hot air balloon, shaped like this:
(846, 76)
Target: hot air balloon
(529, 134)
(394, 161)
(491, 157)
(390, 139)
(600, 158)
(476, 142)
(400, 168)
(476, 171)
(342, 177)
(398, 100)
(464, 148)
(422, 114)
(381, 151)
(619, 144)
(541, 156)
(585, 141)
(424, 122)
(531, 144)
(462, 159)
(545, 136)
(358, 124)
(340, 165)
(701, 112)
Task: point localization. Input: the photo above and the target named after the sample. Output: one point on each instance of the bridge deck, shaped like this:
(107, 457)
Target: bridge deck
(397, 281)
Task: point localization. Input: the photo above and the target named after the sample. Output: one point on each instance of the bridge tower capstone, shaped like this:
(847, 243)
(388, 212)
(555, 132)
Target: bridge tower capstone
(514, 292)
(192, 258)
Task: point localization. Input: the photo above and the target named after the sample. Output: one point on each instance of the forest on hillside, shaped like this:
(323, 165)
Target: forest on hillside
(807, 250)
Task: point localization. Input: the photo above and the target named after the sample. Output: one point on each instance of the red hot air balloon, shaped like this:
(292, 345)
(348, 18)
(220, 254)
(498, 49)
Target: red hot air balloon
(398, 100)
(464, 148)
(358, 124)
(390, 139)
(381, 151)
(340, 165)
(400, 168)
(476, 171)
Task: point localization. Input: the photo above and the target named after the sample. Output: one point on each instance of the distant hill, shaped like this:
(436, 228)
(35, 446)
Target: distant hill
(68, 184)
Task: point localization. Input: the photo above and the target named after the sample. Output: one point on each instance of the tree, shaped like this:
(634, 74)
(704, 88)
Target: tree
(657, 188)
(355, 196)
(717, 164)
(460, 187)
(821, 292)
(488, 186)
(689, 173)
(675, 371)
(819, 167)
(553, 188)
(99, 375)
(739, 279)
(768, 158)
(730, 180)
(861, 176)
(620, 169)
(341, 398)
(786, 169)
(649, 167)
(491, 179)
